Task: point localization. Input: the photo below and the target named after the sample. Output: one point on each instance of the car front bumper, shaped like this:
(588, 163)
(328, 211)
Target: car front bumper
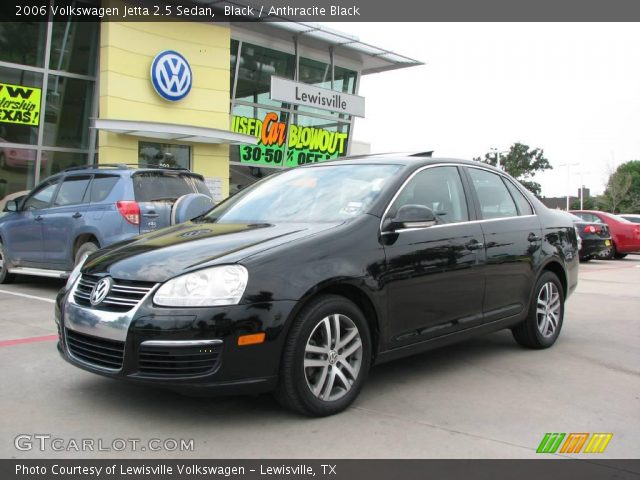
(186, 349)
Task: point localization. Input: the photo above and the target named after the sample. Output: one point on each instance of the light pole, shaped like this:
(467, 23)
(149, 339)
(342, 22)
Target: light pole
(497, 153)
(568, 165)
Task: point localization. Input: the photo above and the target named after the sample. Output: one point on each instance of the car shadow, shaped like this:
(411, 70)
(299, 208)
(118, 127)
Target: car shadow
(145, 401)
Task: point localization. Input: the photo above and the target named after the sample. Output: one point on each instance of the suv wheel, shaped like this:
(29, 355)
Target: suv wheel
(546, 312)
(84, 250)
(5, 276)
(326, 357)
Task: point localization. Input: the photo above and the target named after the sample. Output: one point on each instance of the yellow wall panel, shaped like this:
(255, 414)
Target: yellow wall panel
(126, 93)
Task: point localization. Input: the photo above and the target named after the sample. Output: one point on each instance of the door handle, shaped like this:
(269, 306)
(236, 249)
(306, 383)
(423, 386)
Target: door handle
(77, 215)
(474, 245)
(38, 218)
(533, 237)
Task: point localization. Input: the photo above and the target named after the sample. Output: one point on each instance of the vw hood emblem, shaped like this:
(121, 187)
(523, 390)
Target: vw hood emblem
(171, 75)
(100, 290)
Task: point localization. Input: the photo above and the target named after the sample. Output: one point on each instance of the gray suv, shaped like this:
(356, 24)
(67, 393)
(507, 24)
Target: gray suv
(82, 209)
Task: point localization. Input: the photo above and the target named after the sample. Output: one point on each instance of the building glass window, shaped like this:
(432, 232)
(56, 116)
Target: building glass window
(69, 102)
(54, 125)
(23, 42)
(74, 47)
(17, 171)
(164, 155)
(12, 129)
(55, 162)
(257, 66)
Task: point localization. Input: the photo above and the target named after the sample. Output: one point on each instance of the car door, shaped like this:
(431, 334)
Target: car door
(24, 242)
(513, 238)
(63, 219)
(433, 277)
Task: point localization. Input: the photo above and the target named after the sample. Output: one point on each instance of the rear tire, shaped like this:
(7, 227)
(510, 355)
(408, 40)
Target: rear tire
(619, 256)
(5, 276)
(85, 249)
(610, 255)
(542, 326)
(326, 357)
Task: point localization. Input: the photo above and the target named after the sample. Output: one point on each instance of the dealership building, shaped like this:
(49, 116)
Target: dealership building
(231, 101)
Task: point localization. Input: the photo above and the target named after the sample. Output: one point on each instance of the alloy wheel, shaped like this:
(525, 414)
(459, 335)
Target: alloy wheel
(548, 309)
(333, 357)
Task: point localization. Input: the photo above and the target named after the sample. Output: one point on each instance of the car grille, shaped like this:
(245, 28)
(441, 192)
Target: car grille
(100, 352)
(178, 361)
(123, 296)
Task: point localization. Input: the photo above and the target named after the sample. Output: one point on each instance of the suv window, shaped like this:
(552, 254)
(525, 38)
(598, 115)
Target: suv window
(150, 186)
(495, 200)
(440, 189)
(41, 198)
(524, 207)
(101, 187)
(71, 191)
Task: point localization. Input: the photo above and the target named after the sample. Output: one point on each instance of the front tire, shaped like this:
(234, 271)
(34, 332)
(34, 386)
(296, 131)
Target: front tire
(5, 276)
(326, 357)
(542, 326)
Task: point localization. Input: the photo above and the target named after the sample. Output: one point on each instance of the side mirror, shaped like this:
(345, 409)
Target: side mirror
(11, 206)
(413, 216)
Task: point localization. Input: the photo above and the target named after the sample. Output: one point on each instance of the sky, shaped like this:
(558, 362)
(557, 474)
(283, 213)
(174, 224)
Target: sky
(572, 89)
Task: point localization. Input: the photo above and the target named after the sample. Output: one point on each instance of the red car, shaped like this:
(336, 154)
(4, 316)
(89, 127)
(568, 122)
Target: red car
(625, 234)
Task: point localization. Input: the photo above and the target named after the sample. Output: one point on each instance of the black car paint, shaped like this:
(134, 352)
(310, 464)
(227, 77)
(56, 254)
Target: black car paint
(384, 273)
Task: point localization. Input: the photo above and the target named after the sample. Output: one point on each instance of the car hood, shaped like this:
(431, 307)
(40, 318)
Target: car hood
(163, 254)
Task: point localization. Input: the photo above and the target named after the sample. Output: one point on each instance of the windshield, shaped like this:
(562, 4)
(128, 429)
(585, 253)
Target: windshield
(326, 193)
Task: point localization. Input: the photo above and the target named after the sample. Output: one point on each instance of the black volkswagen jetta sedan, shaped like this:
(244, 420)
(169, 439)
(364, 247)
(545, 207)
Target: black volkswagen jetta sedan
(301, 282)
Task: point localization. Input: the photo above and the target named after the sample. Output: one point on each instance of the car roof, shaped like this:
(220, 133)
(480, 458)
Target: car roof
(404, 159)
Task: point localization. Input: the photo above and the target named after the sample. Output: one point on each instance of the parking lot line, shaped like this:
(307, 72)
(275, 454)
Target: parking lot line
(49, 300)
(19, 341)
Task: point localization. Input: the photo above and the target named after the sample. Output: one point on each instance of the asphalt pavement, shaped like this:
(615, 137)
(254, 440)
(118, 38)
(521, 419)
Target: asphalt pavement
(485, 398)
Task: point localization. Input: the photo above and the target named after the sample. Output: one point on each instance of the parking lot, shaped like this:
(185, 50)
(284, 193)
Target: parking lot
(486, 398)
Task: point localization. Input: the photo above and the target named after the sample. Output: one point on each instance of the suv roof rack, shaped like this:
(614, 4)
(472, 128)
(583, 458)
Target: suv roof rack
(123, 166)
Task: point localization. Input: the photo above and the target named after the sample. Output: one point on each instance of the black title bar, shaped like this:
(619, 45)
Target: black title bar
(319, 10)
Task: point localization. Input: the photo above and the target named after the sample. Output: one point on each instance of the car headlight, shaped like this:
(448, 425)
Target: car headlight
(208, 287)
(75, 273)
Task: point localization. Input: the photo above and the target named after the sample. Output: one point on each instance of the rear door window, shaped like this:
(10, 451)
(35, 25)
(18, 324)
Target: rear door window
(524, 207)
(101, 187)
(72, 191)
(161, 186)
(495, 200)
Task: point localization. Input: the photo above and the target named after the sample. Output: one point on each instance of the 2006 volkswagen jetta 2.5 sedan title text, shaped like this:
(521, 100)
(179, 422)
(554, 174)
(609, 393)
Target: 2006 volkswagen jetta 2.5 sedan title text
(301, 282)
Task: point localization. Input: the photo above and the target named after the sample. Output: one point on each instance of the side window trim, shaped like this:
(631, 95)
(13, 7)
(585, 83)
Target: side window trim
(504, 179)
(462, 175)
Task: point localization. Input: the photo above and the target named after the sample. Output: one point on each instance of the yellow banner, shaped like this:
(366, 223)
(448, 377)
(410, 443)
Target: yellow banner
(20, 104)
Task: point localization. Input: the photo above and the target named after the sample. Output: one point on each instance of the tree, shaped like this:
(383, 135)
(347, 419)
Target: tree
(522, 163)
(623, 189)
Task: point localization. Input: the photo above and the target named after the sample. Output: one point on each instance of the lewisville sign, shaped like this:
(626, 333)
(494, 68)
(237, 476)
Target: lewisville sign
(298, 93)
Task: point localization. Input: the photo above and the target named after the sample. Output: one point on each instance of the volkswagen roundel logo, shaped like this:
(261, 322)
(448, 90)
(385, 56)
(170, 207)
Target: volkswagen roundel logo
(100, 290)
(171, 75)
